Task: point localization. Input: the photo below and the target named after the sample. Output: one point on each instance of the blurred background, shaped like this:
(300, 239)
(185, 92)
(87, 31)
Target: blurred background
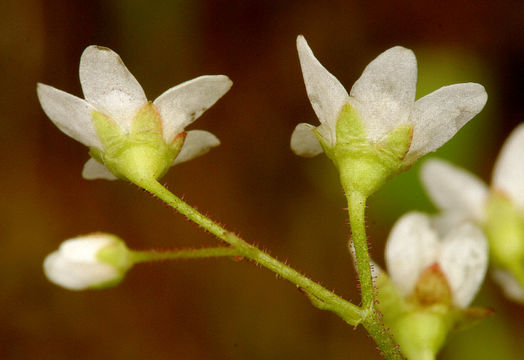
(221, 309)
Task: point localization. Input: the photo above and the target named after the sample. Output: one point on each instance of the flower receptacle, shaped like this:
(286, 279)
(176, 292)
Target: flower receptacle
(363, 165)
(118, 256)
(142, 154)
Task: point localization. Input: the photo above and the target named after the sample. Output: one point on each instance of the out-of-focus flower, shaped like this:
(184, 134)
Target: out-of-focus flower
(416, 244)
(499, 209)
(379, 129)
(119, 125)
(92, 261)
(434, 273)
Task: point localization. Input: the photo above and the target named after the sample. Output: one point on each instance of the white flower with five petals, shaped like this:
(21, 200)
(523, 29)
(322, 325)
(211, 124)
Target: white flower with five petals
(418, 242)
(111, 90)
(499, 210)
(384, 99)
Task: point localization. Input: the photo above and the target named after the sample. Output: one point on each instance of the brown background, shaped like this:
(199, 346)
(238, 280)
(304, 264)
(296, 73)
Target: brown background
(220, 309)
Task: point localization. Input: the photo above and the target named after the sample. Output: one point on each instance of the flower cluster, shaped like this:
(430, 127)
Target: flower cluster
(434, 272)
(499, 209)
(418, 243)
(436, 265)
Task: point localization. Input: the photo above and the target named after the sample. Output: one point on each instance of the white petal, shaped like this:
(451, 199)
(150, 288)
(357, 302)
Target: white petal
(184, 103)
(70, 114)
(509, 284)
(74, 275)
(411, 247)
(385, 93)
(438, 116)
(304, 141)
(326, 93)
(444, 221)
(94, 170)
(109, 86)
(508, 174)
(454, 190)
(464, 261)
(84, 248)
(198, 142)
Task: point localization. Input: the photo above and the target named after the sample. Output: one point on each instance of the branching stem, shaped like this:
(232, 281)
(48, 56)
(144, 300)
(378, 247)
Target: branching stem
(328, 300)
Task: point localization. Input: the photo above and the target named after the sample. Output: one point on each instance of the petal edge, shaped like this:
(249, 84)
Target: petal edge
(69, 113)
(304, 142)
(508, 173)
(109, 86)
(94, 170)
(325, 92)
(180, 105)
(197, 143)
(438, 116)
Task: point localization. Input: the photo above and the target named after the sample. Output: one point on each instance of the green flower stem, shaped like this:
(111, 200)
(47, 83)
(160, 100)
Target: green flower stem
(356, 209)
(154, 255)
(372, 321)
(324, 299)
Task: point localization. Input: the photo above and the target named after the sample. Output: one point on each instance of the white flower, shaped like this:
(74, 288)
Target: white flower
(76, 265)
(416, 243)
(462, 195)
(109, 88)
(384, 98)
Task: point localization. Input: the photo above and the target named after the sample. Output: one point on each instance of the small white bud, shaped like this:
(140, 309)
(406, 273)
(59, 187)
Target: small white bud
(91, 261)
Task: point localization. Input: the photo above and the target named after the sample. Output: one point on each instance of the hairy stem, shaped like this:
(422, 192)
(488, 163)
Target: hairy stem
(356, 209)
(351, 313)
(372, 321)
(146, 256)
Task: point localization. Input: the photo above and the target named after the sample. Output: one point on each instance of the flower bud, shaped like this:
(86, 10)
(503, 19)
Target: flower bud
(91, 261)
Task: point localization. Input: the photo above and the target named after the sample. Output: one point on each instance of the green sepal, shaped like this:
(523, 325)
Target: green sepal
(397, 142)
(469, 317)
(389, 301)
(328, 149)
(419, 331)
(119, 257)
(108, 284)
(178, 142)
(422, 333)
(504, 227)
(141, 155)
(147, 125)
(364, 166)
(108, 131)
(350, 130)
